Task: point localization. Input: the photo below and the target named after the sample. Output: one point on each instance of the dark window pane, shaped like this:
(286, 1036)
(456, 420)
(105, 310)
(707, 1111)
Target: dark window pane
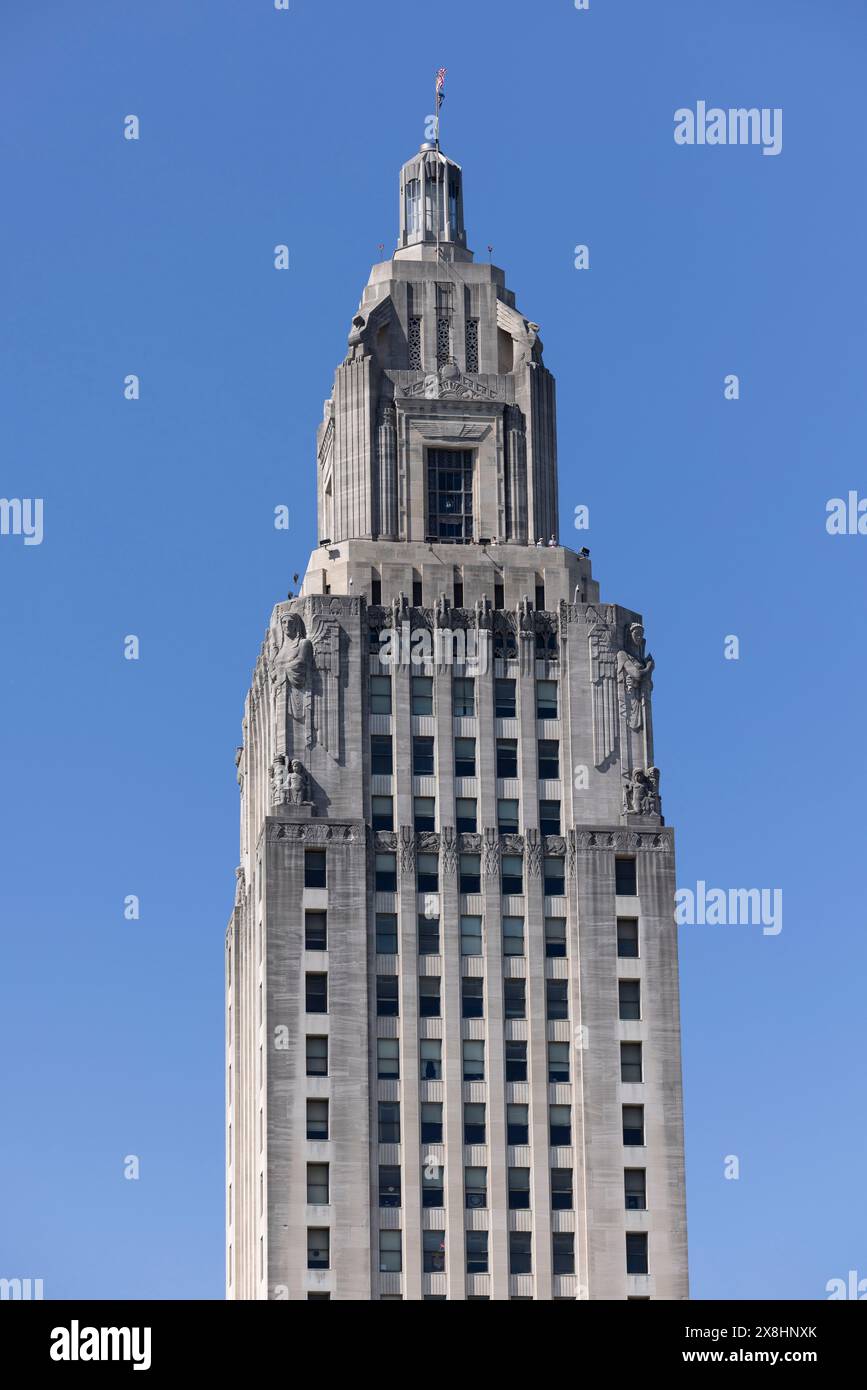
(624, 877)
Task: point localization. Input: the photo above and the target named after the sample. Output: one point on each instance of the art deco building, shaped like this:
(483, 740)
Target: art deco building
(453, 1040)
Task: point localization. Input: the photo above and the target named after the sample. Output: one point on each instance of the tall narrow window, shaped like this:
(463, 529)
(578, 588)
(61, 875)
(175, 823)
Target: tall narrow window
(450, 494)
(413, 206)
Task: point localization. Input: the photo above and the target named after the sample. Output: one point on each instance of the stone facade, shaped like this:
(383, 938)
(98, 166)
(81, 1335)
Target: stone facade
(455, 877)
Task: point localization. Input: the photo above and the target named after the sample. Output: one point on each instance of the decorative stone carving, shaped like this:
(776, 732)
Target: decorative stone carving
(240, 886)
(316, 832)
(491, 860)
(407, 849)
(555, 846)
(483, 612)
(620, 840)
(304, 673)
(385, 839)
(428, 842)
(512, 844)
(290, 783)
(641, 792)
(448, 850)
(533, 853)
(635, 670)
(448, 381)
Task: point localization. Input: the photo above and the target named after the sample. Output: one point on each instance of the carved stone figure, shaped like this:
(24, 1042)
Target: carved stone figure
(635, 670)
(641, 792)
(301, 668)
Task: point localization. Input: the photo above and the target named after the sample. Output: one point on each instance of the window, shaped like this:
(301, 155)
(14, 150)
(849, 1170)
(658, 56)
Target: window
(386, 934)
(512, 873)
(432, 1122)
(546, 699)
(473, 1059)
(317, 1056)
(555, 877)
(633, 1124)
(464, 697)
(474, 1123)
(555, 937)
(450, 494)
(549, 759)
(624, 878)
(507, 757)
(556, 999)
(470, 873)
(630, 1061)
(431, 1183)
(424, 812)
(422, 695)
(385, 874)
(561, 1189)
(558, 1062)
(629, 992)
(388, 1059)
(561, 1125)
(563, 1243)
(627, 936)
(499, 596)
(519, 1190)
(314, 868)
(380, 755)
(428, 873)
(319, 1298)
(514, 999)
(389, 1122)
(471, 939)
(635, 1188)
(382, 813)
(540, 594)
(520, 1260)
(375, 589)
(318, 1247)
(429, 996)
(516, 1061)
(466, 815)
(513, 936)
(380, 694)
(636, 1252)
(476, 1187)
(422, 756)
(504, 699)
(428, 936)
(316, 994)
(386, 996)
(416, 590)
(472, 997)
(317, 1119)
(433, 1251)
(507, 816)
(389, 1252)
(317, 1184)
(549, 817)
(389, 1185)
(458, 586)
(465, 757)
(430, 1052)
(517, 1124)
(412, 201)
(315, 931)
(477, 1252)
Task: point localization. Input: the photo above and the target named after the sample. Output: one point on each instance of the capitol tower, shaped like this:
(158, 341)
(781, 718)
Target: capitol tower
(453, 1032)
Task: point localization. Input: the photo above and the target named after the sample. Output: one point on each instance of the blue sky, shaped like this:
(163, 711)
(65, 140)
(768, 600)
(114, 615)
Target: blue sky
(155, 257)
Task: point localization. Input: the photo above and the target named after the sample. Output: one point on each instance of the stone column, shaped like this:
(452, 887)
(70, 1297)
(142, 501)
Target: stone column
(516, 454)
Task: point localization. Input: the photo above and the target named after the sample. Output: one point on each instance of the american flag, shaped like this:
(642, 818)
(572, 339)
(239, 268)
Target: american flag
(440, 87)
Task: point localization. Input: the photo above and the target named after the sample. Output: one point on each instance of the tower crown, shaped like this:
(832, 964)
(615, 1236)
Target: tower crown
(431, 206)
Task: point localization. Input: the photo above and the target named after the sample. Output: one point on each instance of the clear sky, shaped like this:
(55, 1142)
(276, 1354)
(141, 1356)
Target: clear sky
(155, 257)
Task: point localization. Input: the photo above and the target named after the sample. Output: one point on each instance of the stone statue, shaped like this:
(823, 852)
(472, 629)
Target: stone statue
(635, 670)
(291, 665)
(641, 792)
(290, 783)
(301, 667)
